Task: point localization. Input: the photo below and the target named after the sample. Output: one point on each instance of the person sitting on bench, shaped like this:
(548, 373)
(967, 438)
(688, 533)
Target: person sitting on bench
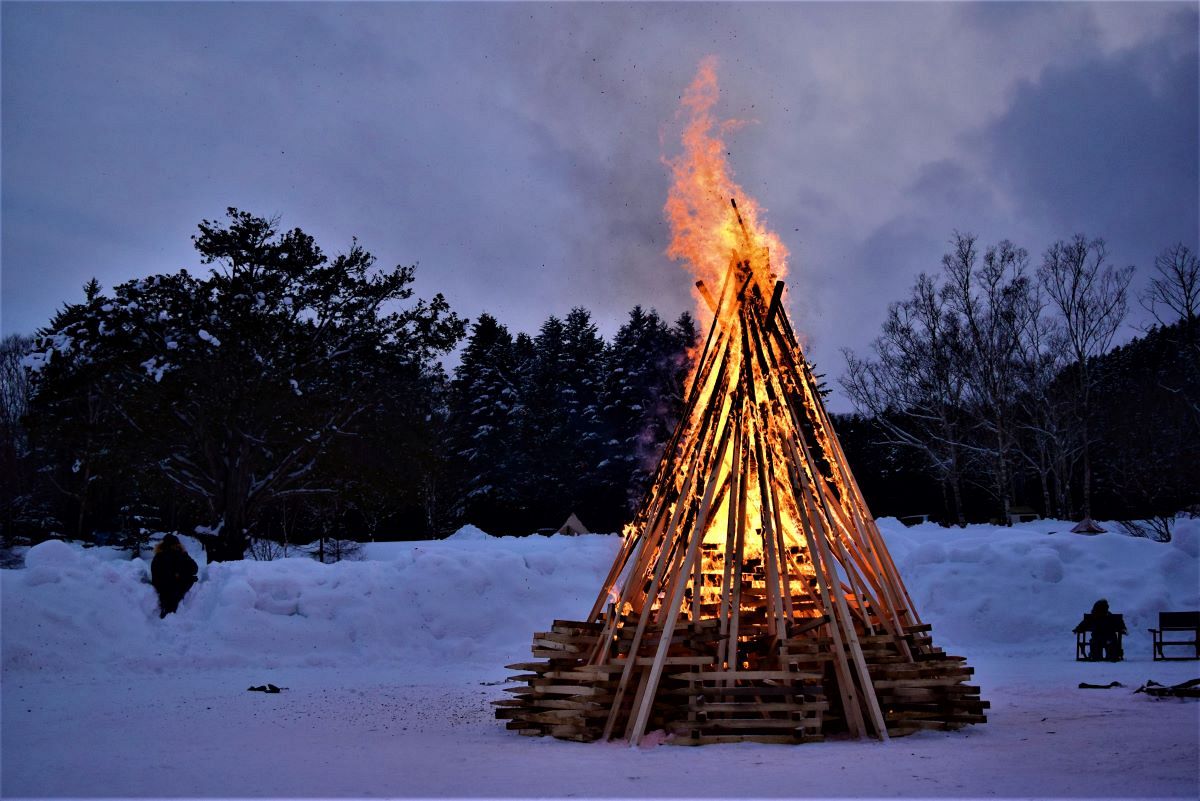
(1106, 629)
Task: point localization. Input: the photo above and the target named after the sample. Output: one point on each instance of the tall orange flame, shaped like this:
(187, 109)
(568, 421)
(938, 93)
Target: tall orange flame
(705, 230)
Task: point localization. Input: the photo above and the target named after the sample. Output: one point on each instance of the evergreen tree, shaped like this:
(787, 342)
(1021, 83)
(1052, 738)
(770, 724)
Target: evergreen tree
(1148, 442)
(559, 420)
(582, 375)
(234, 386)
(542, 423)
(641, 403)
(484, 402)
(74, 423)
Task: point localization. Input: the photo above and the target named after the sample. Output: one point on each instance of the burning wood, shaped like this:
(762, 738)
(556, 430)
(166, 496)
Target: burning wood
(753, 597)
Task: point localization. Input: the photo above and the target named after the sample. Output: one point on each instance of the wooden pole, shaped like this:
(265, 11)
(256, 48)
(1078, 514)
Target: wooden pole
(644, 616)
(885, 576)
(843, 615)
(770, 558)
(841, 667)
(802, 382)
(676, 599)
(696, 449)
(773, 519)
(738, 561)
(773, 306)
(780, 546)
(788, 344)
(725, 609)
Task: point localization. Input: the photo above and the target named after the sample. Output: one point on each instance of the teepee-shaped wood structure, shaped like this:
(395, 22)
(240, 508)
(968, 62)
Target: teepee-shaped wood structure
(753, 597)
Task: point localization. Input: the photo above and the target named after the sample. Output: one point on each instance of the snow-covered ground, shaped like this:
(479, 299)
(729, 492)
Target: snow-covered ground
(390, 662)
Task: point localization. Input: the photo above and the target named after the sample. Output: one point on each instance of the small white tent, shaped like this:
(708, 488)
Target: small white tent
(573, 526)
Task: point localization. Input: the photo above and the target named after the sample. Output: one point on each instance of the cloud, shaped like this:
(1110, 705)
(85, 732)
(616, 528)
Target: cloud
(514, 150)
(1108, 146)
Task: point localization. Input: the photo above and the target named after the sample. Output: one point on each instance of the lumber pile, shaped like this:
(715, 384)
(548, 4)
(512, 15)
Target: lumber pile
(774, 695)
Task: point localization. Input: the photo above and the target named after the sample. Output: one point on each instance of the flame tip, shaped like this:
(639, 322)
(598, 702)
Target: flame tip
(713, 244)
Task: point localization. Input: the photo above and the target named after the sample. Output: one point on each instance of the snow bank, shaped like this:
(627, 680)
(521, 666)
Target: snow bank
(468, 533)
(415, 605)
(1027, 586)
(474, 600)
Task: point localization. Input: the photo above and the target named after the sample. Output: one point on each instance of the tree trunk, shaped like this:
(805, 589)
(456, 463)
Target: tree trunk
(231, 543)
(1002, 480)
(1087, 468)
(945, 485)
(1062, 485)
(958, 504)
(1044, 478)
(956, 488)
(233, 502)
(83, 497)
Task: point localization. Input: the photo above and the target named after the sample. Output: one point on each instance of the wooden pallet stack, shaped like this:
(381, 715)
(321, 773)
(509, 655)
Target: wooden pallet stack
(768, 700)
(753, 597)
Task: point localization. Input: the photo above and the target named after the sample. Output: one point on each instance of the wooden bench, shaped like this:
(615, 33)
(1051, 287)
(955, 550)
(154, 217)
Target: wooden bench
(1021, 514)
(1083, 643)
(1176, 622)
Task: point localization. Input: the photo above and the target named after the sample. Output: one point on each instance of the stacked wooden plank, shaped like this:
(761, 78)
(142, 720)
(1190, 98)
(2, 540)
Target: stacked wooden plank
(559, 695)
(930, 692)
(699, 698)
(776, 695)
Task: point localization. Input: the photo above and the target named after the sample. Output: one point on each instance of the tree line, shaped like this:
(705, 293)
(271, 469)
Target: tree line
(994, 386)
(286, 395)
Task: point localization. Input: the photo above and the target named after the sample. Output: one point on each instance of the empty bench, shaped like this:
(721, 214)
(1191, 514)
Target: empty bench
(1172, 626)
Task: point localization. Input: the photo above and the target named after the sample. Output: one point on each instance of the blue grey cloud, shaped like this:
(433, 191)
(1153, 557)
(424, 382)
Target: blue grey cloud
(514, 150)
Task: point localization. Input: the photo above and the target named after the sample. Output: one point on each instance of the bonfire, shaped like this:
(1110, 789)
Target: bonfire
(753, 597)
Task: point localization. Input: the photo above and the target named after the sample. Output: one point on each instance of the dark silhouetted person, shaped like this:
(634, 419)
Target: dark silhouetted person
(172, 572)
(1105, 628)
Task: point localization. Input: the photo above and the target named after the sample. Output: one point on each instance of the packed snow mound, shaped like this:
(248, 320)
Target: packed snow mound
(1028, 586)
(447, 603)
(468, 533)
(52, 554)
(475, 600)
(1186, 536)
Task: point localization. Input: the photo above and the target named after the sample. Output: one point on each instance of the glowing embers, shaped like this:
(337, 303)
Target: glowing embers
(713, 579)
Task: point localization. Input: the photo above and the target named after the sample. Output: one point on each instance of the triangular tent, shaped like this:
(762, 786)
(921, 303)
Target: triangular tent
(573, 526)
(753, 597)
(1087, 526)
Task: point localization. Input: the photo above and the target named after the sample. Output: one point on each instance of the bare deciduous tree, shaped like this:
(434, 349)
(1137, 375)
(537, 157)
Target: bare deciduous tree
(991, 303)
(14, 403)
(1173, 297)
(912, 388)
(14, 388)
(1047, 441)
(1174, 292)
(1091, 297)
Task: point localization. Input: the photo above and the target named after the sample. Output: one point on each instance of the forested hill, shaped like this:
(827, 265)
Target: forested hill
(285, 395)
(1148, 424)
(1146, 443)
(281, 396)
